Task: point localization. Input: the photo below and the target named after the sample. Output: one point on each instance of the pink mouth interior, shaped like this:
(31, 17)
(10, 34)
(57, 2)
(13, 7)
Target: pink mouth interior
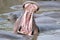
(26, 23)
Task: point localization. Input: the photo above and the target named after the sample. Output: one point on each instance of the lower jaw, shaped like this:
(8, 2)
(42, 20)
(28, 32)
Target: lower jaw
(22, 33)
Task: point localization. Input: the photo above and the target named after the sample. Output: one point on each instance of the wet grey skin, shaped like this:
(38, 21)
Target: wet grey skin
(12, 17)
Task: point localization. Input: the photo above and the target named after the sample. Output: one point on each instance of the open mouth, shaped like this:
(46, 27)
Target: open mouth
(26, 24)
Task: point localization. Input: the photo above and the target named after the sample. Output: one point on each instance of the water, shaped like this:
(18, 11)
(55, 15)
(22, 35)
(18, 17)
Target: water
(48, 22)
(50, 35)
(49, 28)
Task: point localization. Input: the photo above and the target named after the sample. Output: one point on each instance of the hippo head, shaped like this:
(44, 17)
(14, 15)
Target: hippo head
(26, 24)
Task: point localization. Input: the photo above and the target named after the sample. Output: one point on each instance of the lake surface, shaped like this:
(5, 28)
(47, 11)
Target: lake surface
(48, 21)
